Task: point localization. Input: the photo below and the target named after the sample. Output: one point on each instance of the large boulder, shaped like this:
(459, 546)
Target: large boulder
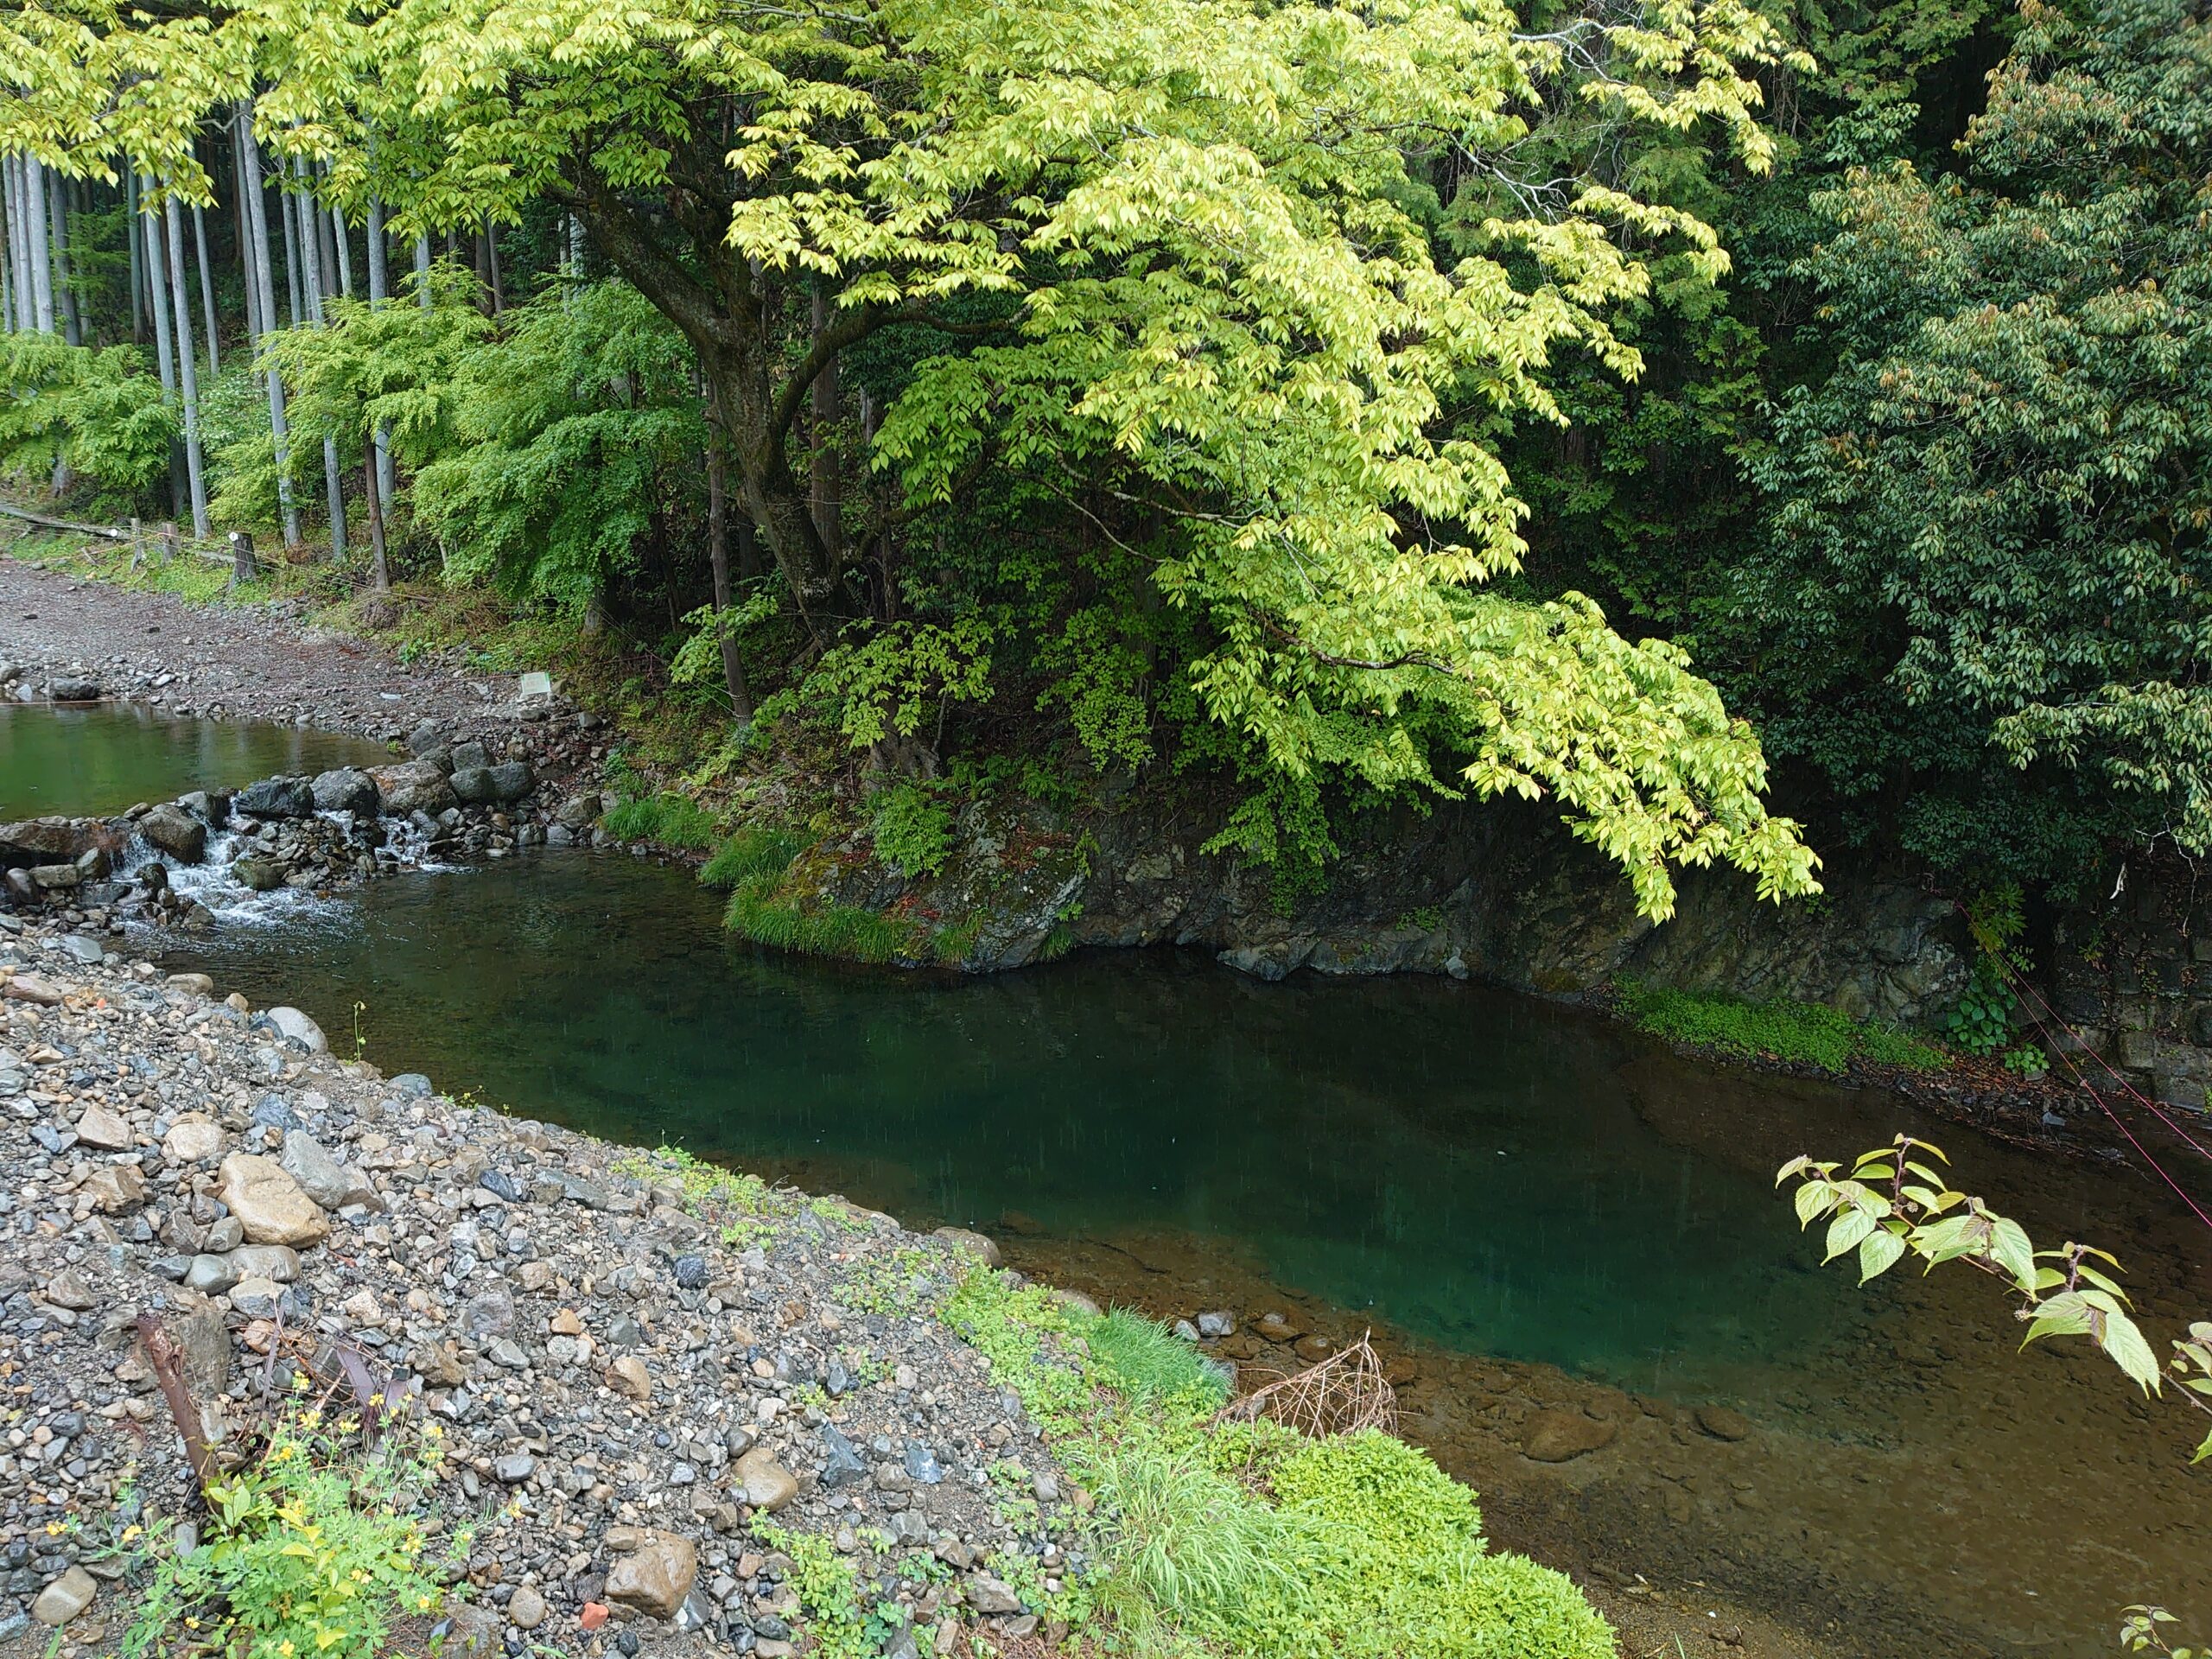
(277, 798)
(346, 789)
(75, 687)
(413, 786)
(45, 841)
(173, 830)
(271, 1206)
(492, 785)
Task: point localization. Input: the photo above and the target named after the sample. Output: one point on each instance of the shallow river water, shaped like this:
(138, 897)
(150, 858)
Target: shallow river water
(106, 757)
(1534, 1210)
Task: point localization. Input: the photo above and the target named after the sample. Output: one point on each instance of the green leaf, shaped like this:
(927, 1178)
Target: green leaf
(1877, 1254)
(1847, 1230)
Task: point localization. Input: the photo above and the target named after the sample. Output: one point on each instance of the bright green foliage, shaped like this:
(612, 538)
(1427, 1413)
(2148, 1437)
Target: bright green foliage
(1803, 1033)
(1896, 1200)
(1194, 241)
(568, 434)
(913, 830)
(1245, 1539)
(101, 412)
(315, 1546)
(399, 367)
(1989, 565)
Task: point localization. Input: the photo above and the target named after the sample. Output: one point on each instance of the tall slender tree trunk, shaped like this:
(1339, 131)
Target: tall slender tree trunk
(138, 258)
(379, 291)
(255, 327)
(19, 269)
(340, 240)
(829, 503)
(42, 259)
(57, 193)
(740, 694)
(187, 374)
(289, 204)
(206, 283)
(157, 293)
(422, 271)
(264, 288)
(482, 252)
(492, 257)
(379, 572)
(312, 279)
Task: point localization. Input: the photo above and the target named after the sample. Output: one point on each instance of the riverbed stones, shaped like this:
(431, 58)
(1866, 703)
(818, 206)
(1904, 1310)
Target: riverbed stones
(345, 789)
(984, 1250)
(526, 1609)
(192, 1139)
(104, 1129)
(258, 874)
(173, 830)
(269, 1204)
(628, 1376)
(418, 785)
(1724, 1424)
(655, 1575)
(277, 798)
(764, 1483)
(321, 1176)
(1561, 1436)
(295, 1026)
(65, 1598)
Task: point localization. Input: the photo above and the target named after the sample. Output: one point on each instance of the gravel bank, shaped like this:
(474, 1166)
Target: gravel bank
(635, 1374)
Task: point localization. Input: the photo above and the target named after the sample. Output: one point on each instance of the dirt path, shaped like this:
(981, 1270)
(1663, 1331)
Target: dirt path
(258, 662)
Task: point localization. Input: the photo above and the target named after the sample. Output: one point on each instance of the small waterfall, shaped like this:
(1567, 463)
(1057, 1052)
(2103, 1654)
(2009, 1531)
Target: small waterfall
(215, 883)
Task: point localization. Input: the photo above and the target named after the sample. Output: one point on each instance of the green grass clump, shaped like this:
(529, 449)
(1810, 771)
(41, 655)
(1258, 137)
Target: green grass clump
(670, 819)
(1809, 1033)
(1149, 1363)
(756, 849)
(761, 911)
(1246, 1539)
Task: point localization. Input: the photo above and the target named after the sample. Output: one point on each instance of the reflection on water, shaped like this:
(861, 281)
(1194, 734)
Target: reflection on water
(104, 758)
(1485, 1173)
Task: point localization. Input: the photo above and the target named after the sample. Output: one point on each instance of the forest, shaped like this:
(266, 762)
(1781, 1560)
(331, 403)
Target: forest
(1770, 435)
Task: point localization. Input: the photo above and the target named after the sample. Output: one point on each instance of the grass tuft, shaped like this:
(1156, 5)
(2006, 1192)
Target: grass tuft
(1806, 1033)
(670, 819)
(757, 850)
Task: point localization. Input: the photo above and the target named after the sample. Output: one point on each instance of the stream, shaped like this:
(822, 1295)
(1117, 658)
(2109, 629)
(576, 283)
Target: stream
(1535, 1211)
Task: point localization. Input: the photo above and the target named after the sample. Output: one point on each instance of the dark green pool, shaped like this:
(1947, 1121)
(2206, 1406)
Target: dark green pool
(106, 757)
(1462, 1162)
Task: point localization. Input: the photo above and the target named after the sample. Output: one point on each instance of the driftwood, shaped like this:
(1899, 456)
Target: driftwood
(1343, 1393)
(168, 1361)
(40, 518)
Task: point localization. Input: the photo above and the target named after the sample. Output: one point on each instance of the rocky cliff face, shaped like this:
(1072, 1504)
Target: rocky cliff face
(1494, 892)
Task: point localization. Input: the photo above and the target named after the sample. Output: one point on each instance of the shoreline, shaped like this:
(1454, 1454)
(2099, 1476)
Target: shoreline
(559, 1296)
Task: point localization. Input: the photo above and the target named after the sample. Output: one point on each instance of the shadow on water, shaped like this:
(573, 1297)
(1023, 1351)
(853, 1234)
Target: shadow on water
(1496, 1178)
(103, 758)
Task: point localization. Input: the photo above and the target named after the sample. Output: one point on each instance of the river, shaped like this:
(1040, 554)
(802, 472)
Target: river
(1536, 1211)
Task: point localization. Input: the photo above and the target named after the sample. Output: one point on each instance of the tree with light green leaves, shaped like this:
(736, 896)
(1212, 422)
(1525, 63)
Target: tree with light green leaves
(1180, 246)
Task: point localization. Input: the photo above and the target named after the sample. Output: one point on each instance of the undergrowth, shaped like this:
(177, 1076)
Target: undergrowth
(670, 819)
(1247, 1539)
(1808, 1033)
